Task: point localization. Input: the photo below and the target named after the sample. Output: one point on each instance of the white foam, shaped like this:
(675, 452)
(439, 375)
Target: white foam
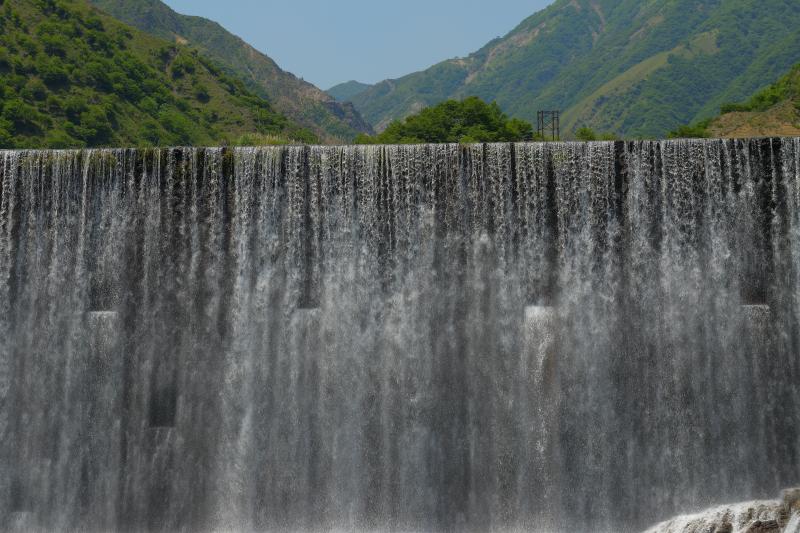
(794, 524)
(740, 516)
(540, 337)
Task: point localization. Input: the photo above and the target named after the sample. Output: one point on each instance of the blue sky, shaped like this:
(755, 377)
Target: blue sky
(328, 42)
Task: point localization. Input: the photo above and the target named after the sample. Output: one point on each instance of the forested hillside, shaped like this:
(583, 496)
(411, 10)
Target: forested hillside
(626, 66)
(72, 76)
(772, 111)
(297, 99)
(345, 92)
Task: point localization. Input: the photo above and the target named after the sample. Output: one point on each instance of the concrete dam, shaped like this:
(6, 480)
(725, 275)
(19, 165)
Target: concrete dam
(534, 336)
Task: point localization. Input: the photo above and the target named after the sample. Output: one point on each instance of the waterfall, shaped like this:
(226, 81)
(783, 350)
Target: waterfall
(544, 336)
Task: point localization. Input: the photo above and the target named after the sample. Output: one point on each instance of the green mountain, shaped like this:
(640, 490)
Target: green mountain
(73, 76)
(632, 67)
(772, 112)
(344, 92)
(297, 99)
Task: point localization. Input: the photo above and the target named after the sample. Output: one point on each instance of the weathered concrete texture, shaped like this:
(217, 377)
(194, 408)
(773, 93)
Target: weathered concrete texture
(771, 516)
(22, 521)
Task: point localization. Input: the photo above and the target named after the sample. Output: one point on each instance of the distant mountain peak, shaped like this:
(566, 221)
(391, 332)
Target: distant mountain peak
(344, 92)
(625, 66)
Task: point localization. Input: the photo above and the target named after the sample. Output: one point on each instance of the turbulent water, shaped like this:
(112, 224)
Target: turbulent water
(553, 337)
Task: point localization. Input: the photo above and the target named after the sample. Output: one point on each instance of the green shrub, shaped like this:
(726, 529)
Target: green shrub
(201, 93)
(252, 139)
(733, 108)
(99, 41)
(518, 129)
(585, 134)
(97, 74)
(210, 65)
(22, 116)
(58, 139)
(93, 22)
(148, 105)
(182, 65)
(468, 120)
(6, 139)
(121, 38)
(300, 135)
(28, 44)
(165, 54)
(52, 72)
(176, 123)
(588, 134)
(5, 60)
(182, 104)
(698, 130)
(150, 132)
(74, 105)
(363, 138)
(35, 89)
(124, 87)
(55, 45)
(96, 119)
(54, 104)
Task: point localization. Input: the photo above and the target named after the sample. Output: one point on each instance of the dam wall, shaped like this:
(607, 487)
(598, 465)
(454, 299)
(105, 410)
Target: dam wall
(550, 336)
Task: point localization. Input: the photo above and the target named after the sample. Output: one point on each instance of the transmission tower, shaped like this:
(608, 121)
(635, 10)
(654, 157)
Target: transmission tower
(548, 125)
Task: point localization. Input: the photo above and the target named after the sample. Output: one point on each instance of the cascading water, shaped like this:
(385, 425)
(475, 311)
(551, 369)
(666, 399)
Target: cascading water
(554, 337)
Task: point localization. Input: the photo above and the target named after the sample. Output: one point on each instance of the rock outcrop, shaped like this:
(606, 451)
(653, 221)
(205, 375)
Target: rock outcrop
(771, 516)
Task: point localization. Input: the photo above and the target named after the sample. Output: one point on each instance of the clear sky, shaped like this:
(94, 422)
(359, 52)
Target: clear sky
(327, 41)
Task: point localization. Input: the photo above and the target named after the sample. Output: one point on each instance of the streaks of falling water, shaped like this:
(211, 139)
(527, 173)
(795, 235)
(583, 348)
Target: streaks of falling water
(544, 336)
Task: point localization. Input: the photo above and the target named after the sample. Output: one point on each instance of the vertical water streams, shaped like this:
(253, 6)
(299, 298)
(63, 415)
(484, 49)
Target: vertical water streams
(545, 336)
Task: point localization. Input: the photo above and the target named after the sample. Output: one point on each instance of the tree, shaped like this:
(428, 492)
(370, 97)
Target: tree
(5, 134)
(468, 121)
(585, 134)
(61, 139)
(5, 59)
(588, 134)
(52, 72)
(182, 65)
(698, 130)
(201, 93)
(22, 116)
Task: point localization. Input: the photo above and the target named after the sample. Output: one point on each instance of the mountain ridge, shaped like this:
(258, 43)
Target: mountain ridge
(636, 68)
(344, 92)
(73, 76)
(299, 100)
